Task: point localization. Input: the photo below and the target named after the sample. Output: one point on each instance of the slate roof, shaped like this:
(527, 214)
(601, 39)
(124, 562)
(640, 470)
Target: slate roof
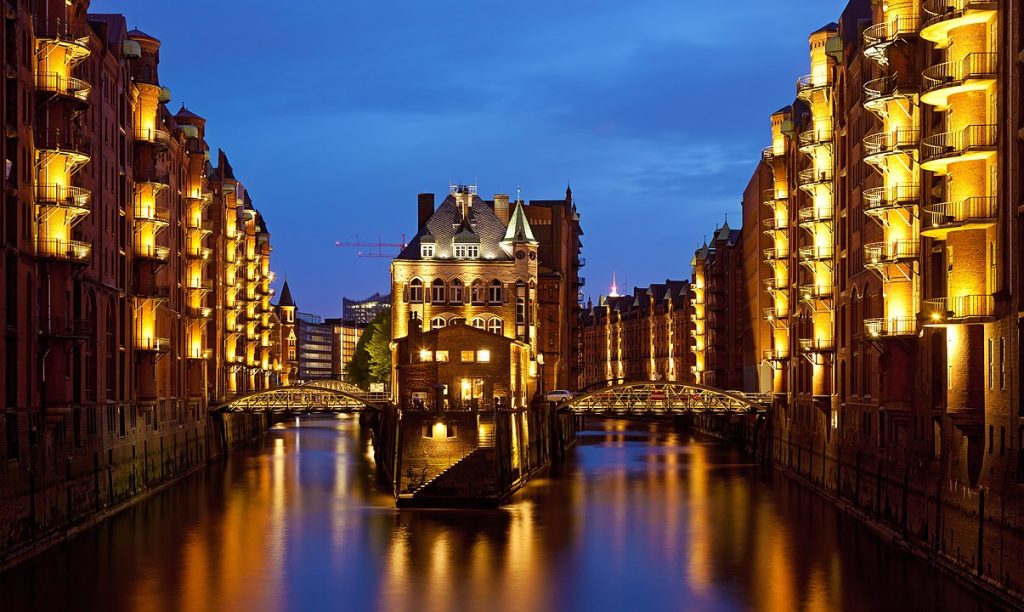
(286, 296)
(447, 221)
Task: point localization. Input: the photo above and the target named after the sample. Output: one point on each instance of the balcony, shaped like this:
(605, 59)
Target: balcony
(894, 327)
(879, 146)
(878, 200)
(943, 16)
(971, 143)
(814, 139)
(813, 215)
(200, 354)
(816, 345)
(74, 90)
(774, 284)
(958, 309)
(775, 224)
(199, 284)
(59, 143)
(878, 92)
(812, 178)
(807, 87)
(151, 252)
(74, 252)
(153, 215)
(74, 199)
(60, 33)
(776, 253)
(768, 154)
(201, 253)
(812, 293)
(67, 328)
(878, 37)
(152, 136)
(776, 355)
(977, 212)
(200, 312)
(974, 72)
(152, 344)
(878, 254)
(774, 314)
(816, 253)
(152, 292)
(773, 200)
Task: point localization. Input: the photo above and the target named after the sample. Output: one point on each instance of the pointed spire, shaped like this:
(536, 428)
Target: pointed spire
(286, 296)
(519, 228)
(614, 291)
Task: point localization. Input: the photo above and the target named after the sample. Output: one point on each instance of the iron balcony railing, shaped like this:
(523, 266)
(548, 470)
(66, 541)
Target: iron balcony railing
(880, 253)
(814, 176)
(776, 253)
(968, 210)
(776, 354)
(885, 198)
(152, 292)
(200, 312)
(73, 251)
(806, 86)
(200, 354)
(768, 154)
(153, 344)
(153, 252)
(152, 214)
(893, 326)
(944, 10)
(68, 87)
(815, 137)
(815, 214)
(64, 32)
(67, 327)
(202, 253)
(775, 223)
(199, 284)
(817, 345)
(773, 313)
(880, 35)
(774, 284)
(770, 198)
(62, 141)
(953, 74)
(152, 136)
(885, 143)
(810, 293)
(955, 144)
(49, 194)
(816, 253)
(886, 88)
(956, 308)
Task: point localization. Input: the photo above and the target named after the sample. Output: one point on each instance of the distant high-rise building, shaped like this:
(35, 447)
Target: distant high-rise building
(362, 312)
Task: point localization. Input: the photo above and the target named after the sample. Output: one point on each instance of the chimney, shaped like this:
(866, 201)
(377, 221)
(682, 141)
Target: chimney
(425, 207)
(501, 208)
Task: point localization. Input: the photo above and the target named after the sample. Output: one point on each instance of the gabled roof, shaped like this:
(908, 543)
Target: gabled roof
(184, 113)
(447, 221)
(286, 296)
(519, 229)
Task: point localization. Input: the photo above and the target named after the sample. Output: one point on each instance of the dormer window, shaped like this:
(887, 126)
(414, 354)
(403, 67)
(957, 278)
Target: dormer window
(427, 251)
(467, 251)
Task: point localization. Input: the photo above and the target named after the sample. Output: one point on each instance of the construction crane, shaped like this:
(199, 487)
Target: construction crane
(379, 246)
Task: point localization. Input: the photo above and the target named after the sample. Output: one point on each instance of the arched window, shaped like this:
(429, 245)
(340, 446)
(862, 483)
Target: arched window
(478, 295)
(456, 321)
(437, 291)
(438, 323)
(494, 295)
(478, 323)
(111, 351)
(455, 292)
(416, 291)
(496, 326)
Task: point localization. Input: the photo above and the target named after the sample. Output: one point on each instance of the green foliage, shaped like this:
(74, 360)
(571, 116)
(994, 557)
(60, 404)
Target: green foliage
(372, 360)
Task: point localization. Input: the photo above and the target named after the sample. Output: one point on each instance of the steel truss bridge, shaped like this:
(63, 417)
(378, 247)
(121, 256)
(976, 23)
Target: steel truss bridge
(652, 399)
(320, 396)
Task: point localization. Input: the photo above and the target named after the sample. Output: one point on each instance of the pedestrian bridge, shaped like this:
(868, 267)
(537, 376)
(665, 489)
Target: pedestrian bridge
(648, 399)
(319, 396)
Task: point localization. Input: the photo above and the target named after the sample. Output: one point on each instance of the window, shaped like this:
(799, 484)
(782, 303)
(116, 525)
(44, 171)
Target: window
(991, 366)
(483, 356)
(495, 326)
(468, 356)
(427, 250)
(1002, 363)
(477, 290)
(455, 292)
(494, 295)
(426, 356)
(441, 356)
(437, 291)
(438, 323)
(467, 251)
(416, 291)
(478, 323)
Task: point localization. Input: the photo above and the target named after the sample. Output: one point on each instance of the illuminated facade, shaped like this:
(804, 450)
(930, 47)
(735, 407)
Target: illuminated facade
(108, 267)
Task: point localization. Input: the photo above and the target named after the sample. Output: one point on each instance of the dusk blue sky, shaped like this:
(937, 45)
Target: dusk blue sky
(337, 114)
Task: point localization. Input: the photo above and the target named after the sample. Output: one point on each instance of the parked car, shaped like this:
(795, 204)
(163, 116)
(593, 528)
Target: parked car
(558, 396)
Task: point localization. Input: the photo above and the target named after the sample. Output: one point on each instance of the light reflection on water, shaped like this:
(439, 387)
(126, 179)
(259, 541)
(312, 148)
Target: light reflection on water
(640, 517)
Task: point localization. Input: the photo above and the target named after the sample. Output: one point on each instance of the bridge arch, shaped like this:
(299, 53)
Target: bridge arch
(320, 396)
(651, 398)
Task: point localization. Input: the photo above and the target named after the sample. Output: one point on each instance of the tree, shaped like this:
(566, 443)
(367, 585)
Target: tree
(372, 360)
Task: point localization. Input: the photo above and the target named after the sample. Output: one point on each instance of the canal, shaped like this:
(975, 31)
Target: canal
(640, 517)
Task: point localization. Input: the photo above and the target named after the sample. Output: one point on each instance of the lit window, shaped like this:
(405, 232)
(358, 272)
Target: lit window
(495, 326)
(479, 323)
(494, 295)
(455, 292)
(478, 292)
(437, 291)
(426, 355)
(426, 251)
(483, 356)
(416, 291)
(468, 356)
(467, 251)
(441, 356)
(438, 323)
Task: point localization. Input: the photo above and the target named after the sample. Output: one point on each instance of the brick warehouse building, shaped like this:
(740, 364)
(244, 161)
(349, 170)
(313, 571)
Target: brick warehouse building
(135, 273)
(891, 282)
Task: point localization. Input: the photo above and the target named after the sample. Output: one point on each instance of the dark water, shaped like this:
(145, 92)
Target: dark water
(640, 519)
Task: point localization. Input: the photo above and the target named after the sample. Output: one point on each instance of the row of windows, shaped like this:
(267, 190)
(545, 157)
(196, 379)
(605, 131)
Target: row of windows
(462, 251)
(494, 325)
(453, 292)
